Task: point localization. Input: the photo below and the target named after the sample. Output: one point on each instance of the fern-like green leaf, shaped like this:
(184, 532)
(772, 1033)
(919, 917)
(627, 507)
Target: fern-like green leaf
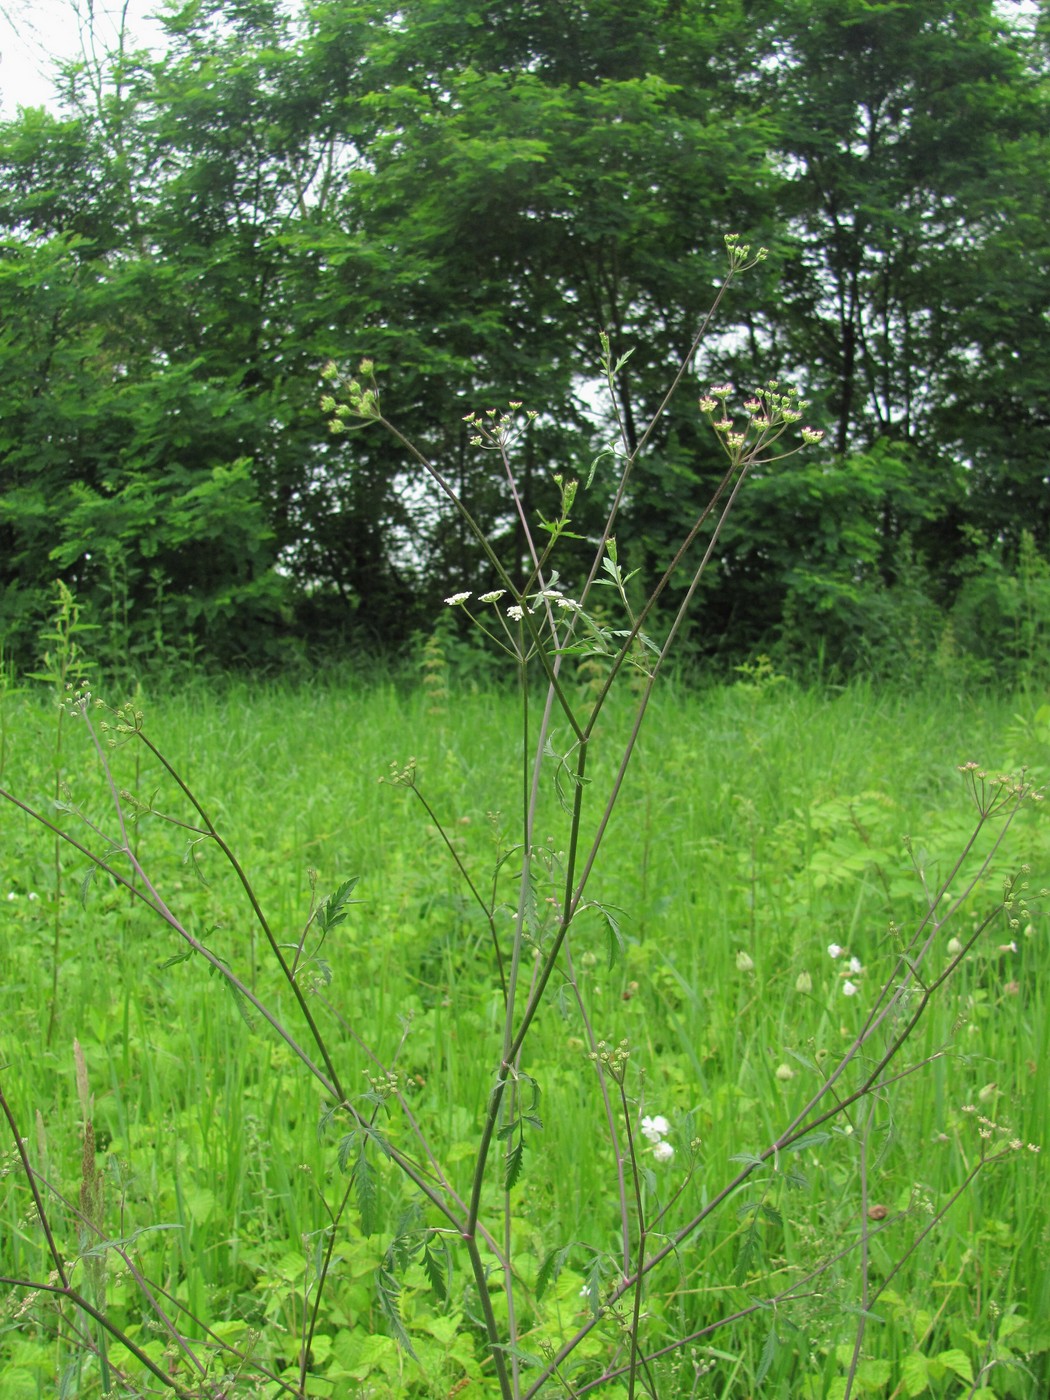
(332, 910)
(389, 1290)
(549, 1271)
(745, 1258)
(515, 1159)
(765, 1361)
(345, 1149)
(243, 1005)
(367, 1193)
(434, 1270)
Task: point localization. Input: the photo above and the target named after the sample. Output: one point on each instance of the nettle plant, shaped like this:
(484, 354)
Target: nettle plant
(458, 1208)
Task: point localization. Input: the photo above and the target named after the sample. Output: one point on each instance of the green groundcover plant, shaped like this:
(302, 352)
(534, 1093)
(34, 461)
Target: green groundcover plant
(443, 1264)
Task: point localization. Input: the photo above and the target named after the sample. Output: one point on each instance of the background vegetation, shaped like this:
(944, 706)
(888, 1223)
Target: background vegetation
(762, 823)
(468, 193)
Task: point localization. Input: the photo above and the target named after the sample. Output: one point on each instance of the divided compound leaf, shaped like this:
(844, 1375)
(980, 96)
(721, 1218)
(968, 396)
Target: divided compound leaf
(333, 909)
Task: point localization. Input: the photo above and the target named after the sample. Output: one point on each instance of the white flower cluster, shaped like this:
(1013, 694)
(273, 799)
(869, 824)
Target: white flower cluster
(516, 611)
(854, 967)
(656, 1130)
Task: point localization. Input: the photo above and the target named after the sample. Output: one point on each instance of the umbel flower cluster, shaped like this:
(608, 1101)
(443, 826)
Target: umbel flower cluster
(767, 416)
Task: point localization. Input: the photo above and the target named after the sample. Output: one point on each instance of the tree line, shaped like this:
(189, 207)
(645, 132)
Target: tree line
(467, 193)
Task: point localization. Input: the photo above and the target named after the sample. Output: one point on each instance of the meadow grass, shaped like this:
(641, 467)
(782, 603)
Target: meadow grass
(761, 823)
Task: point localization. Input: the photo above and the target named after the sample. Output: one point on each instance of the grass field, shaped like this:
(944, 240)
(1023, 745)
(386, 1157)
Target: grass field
(761, 824)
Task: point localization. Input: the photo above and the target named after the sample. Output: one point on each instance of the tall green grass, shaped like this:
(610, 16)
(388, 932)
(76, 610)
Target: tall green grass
(761, 823)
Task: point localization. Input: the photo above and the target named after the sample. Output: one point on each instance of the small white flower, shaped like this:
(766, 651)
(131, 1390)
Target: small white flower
(11, 895)
(745, 962)
(515, 613)
(849, 989)
(457, 599)
(856, 966)
(835, 950)
(493, 597)
(663, 1151)
(32, 895)
(803, 982)
(656, 1128)
(954, 947)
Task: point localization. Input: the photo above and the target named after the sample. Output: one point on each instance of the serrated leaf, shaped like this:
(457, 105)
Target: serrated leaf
(97, 1251)
(617, 942)
(804, 1144)
(85, 885)
(345, 1150)
(549, 1271)
(388, 1290)
(435, 1273)
(579, 649)
(605, 452)
(593, 1287)
(367, 1193)
(914, 1377)
(243, 1005)
(515, 1160)
(748, 1158)
(523, 1357)
(192, 858)
(744, 1258)
(177, 958)
(771, 1213)
(765, 1360)
(534, 1086)
(332, 910)
(324, 969)
(957, 1361)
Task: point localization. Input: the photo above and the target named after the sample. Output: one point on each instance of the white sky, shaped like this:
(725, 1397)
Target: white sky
(33, 33)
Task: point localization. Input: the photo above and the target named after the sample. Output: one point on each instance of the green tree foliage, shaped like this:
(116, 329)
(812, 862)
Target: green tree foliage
(916, 255)
(467, 194)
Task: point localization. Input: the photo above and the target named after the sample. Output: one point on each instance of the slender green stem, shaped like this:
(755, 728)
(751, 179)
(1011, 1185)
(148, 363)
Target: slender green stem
(639, 1273)
(263, 922)
(477, 1265)
(485, 908)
